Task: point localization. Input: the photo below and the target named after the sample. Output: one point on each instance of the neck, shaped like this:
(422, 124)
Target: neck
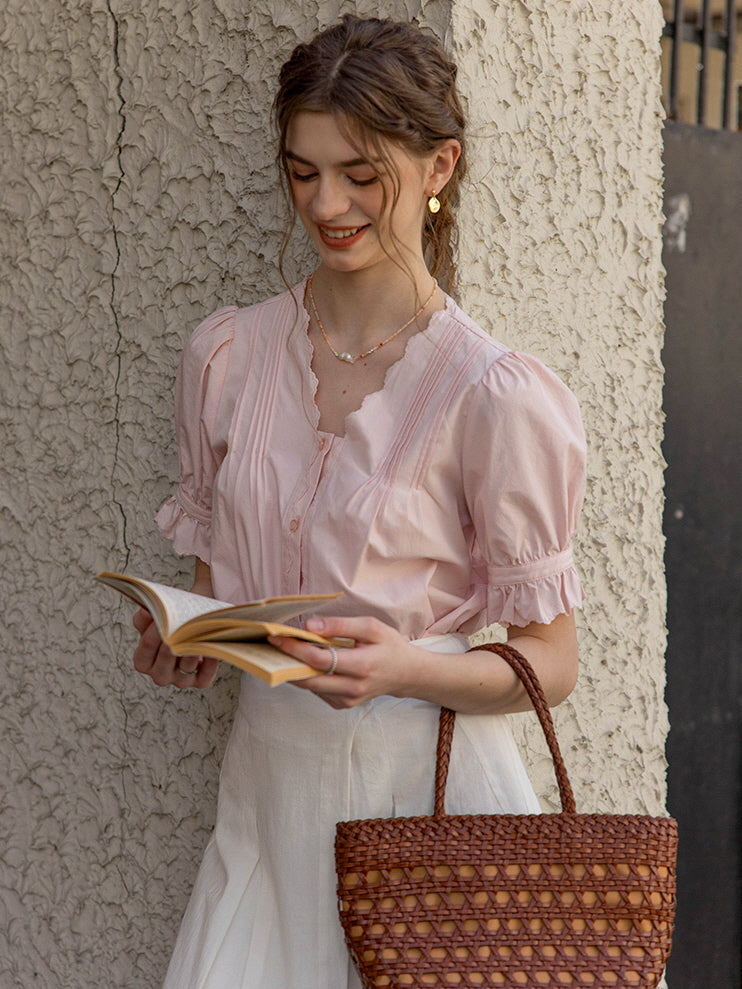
(358, 309)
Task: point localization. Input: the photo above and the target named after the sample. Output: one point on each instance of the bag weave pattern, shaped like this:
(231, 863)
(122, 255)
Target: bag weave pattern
(526, 900)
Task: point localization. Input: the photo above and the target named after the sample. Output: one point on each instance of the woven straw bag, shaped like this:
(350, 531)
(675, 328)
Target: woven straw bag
(511, 900)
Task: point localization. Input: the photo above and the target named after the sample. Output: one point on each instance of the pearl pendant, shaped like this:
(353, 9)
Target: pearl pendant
(346, 357)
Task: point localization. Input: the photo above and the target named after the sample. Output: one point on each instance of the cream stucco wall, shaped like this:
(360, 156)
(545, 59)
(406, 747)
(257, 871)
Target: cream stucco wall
(137, 193)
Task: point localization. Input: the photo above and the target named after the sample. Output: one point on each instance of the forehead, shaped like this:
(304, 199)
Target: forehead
(321, 133)
(322, 138)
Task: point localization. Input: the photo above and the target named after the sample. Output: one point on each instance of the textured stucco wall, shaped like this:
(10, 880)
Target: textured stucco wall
(565, 193)
(138, 194)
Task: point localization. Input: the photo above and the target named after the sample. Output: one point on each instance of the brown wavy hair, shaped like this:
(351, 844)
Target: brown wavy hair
(383, 81)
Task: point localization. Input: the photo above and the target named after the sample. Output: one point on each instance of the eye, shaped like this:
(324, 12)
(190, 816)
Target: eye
(303, 176)
(374, 178)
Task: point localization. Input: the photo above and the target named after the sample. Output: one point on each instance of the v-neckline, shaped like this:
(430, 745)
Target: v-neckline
(392, 373)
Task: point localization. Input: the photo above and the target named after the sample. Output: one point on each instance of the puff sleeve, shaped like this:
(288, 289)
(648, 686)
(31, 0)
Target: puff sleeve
(524, 481)
(200, 432)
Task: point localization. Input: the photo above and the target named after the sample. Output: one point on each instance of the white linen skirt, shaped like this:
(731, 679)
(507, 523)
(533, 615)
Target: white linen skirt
(263, 913)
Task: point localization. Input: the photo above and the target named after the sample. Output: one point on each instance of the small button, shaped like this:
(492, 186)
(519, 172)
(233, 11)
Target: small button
(322, 443)
(294, 525)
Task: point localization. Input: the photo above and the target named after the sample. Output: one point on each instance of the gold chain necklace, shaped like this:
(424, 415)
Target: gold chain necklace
(345, 356)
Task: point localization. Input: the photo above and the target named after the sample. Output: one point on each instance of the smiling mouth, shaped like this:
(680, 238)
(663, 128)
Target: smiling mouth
(341, 233)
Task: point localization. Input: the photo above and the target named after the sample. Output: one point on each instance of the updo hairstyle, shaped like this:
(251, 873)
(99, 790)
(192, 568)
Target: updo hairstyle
(383, 81)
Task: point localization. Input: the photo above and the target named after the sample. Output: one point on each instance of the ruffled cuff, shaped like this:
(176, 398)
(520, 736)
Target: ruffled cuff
(187, 524)
(534, 592)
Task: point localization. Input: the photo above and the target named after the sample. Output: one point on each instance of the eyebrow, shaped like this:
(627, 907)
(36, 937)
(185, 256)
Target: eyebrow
(352, 163)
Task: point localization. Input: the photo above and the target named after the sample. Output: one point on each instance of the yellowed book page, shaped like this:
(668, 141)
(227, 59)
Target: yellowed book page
(218, 630)
(258, 658)
(173, 608)
(169, 606)
(279, 609)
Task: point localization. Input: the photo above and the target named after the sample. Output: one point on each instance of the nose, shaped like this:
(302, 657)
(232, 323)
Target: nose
(331, 199)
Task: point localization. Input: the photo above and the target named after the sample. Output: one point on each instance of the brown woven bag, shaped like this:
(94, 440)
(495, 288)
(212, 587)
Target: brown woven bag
(526, 900)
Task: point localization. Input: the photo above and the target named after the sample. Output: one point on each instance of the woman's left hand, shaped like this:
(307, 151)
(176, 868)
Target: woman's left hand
(379, 663)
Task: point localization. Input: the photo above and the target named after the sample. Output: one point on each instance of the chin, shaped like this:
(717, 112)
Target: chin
(340, 263)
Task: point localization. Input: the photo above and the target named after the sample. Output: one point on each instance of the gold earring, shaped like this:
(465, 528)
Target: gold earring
(434, 204)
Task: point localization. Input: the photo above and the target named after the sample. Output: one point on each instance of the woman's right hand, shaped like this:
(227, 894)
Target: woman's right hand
(153, 658)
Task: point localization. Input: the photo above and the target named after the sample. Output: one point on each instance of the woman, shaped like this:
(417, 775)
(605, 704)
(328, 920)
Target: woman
(361, 434)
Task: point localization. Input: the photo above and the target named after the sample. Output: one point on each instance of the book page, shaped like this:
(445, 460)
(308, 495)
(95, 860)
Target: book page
(182, 606)
(280, 609)
(258, 658)
(173, 608)
(217, 630)
(170, 607)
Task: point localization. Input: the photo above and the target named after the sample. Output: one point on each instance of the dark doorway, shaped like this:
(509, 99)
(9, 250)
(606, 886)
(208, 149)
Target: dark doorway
(703, 528)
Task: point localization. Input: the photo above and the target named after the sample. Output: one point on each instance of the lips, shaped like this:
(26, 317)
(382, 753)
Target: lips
(341, 238)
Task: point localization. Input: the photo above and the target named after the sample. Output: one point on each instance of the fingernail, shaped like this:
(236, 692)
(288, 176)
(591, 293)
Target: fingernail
(315, 624)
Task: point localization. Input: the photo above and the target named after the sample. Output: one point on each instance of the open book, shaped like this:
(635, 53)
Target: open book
(192, 625)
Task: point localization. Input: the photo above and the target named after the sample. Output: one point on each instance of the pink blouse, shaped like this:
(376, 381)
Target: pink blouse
(450, 503)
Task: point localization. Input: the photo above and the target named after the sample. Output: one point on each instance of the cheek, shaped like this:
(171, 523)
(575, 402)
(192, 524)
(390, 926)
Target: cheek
(408, 219)
(384, 210)
(409, 211)
(368, 202)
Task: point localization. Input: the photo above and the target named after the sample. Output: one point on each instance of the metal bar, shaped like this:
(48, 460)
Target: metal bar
(694, 34)
(678, 16)
(730, 24)
(703, 65)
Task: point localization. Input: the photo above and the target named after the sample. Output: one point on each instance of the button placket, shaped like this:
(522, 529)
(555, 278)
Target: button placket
(330, 448)
(296, 515)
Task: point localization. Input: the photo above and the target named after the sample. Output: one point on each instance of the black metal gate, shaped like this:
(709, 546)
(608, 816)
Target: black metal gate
(703, 527)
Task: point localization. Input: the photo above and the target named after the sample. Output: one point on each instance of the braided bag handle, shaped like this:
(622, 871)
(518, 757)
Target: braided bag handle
(518, 662)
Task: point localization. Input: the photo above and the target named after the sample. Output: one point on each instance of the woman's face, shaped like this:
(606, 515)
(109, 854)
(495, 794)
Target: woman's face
(339, 196)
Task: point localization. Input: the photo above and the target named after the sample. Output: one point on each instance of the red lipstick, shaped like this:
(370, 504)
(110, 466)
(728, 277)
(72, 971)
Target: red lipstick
(341, 243)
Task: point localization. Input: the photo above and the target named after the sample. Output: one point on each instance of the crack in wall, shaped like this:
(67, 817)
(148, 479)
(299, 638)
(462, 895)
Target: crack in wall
(121, 111)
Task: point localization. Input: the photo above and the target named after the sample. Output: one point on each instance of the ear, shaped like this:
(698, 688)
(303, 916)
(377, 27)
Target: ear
(442, 164)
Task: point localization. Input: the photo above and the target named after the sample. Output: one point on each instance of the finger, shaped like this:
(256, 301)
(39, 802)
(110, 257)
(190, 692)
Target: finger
(318, 657)
(163, 670)
(142, 620)
(362, 629)
(183, 672)
(314, 686)
(330, 701)
(207, 672)
(147, 649)
(339, 692)
(188, 665)
(183, 681)
(187, 672)
(326, 684)
(194, 671)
